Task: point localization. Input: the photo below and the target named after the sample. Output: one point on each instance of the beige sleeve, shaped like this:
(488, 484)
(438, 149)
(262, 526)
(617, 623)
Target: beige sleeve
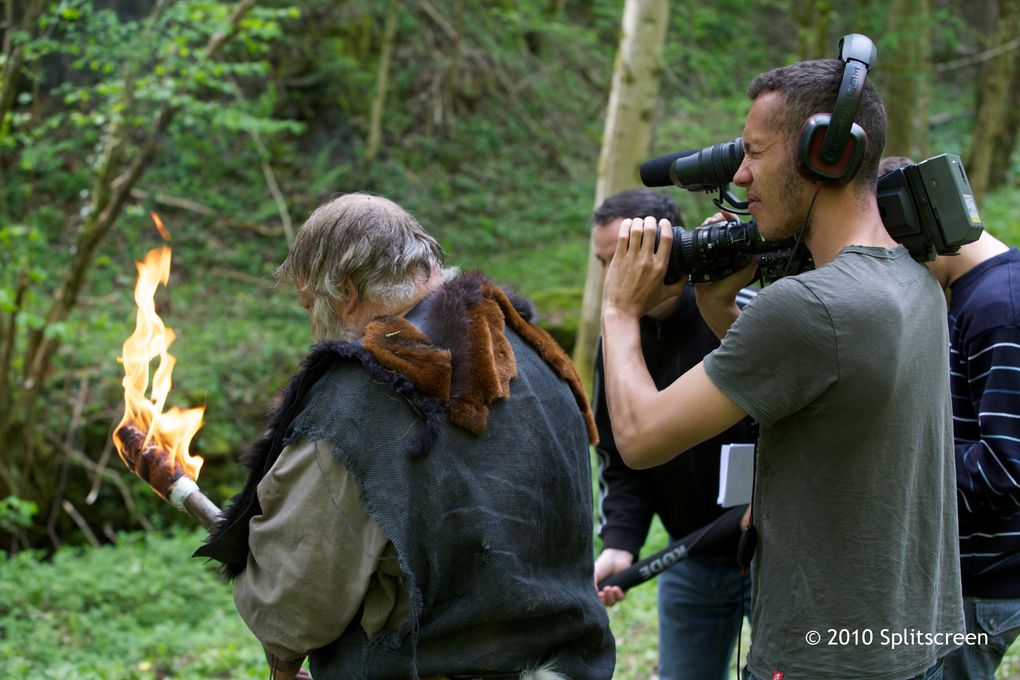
(313, 553)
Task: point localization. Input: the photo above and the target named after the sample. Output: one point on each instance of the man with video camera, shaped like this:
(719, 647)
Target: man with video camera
(702, 598)
(843, 367)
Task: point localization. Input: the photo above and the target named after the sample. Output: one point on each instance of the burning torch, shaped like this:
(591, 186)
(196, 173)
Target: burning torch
(153, 443)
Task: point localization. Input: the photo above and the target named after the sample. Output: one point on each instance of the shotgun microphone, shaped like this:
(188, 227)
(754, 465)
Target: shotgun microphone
(658, 171)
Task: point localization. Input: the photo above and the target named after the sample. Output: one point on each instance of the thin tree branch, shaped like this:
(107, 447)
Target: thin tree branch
(8, 25)
(221, 38)
(100, 467)
(10, 328)
(381, 83)
(72, 429)
(269, 175)
(274, 189)
(439, 20)
(110, 475)
(173, 202)
(987, 55)
(80, 521)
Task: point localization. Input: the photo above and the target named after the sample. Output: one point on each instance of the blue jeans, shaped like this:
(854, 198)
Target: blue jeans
(933, 673)
(1000, 621)
(699, 616)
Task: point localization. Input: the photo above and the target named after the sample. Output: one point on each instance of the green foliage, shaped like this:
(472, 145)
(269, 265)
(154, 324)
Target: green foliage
(16, 514)
(92, 92)
(491, 131)
(1001, 215)
(140, 609)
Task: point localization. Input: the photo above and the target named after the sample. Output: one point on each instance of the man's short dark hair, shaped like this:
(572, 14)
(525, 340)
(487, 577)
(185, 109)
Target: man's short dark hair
(890, 163)
(811, 87)
(638, 203)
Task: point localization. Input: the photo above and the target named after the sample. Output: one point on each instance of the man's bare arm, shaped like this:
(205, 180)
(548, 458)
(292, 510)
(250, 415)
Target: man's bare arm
(651, 426)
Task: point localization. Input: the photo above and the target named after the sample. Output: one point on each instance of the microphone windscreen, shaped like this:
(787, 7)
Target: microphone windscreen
(655, 173)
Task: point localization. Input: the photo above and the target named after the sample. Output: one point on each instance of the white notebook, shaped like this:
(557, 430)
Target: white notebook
(736, 469)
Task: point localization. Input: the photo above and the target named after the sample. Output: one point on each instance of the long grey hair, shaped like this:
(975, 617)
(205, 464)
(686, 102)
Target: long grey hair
(371, 241)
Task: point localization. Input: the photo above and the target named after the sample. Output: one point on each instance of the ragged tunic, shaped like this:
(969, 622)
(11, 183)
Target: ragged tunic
(464, 429)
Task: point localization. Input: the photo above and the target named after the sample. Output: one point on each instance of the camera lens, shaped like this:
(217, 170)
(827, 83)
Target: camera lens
(717, 250)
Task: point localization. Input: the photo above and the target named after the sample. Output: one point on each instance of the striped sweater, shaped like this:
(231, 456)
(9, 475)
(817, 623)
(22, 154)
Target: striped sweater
(984, 336)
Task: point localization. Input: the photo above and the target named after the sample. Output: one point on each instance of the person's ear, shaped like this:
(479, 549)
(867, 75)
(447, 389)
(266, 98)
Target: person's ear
(351, 298)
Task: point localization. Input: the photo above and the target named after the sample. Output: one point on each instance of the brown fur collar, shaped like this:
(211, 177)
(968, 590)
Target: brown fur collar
(454, 348)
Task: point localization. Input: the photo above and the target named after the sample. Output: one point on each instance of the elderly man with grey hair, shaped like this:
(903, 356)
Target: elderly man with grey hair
(420, 503)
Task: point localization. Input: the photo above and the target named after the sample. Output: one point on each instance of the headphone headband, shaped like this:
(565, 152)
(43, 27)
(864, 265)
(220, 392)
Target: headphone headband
(835, 155)
(857, 53)
(857, 47)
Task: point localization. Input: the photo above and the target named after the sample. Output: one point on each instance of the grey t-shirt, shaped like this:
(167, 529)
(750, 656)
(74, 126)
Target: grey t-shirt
(846, 370)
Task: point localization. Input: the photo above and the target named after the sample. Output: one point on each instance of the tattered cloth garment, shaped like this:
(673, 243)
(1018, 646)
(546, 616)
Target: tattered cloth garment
(414, 355)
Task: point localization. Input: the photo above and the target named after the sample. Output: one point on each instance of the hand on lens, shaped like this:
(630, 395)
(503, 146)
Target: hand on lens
(721, 216)
(634, 281)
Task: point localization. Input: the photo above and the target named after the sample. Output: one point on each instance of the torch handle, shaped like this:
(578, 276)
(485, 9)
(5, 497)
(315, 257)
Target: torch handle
(198, 505)
(185, 494)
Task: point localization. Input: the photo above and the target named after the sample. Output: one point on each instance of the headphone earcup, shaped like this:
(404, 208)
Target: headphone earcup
(809, 152)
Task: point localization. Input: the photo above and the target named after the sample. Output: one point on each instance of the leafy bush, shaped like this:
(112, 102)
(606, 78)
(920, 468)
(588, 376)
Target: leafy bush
(138, 609)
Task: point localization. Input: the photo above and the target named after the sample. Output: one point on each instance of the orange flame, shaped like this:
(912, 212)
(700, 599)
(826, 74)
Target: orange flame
(173, 430)
(159, 226)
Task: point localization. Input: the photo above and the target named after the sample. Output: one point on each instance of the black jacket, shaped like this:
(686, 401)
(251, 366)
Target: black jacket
(683, 491)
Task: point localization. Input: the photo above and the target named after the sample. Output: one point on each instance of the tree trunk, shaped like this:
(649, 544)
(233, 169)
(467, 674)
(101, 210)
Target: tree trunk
(822, 46)
(625, 141)
(899, 64)
(1003, 152)
(991, 121)
(381, 83)
(925, 77)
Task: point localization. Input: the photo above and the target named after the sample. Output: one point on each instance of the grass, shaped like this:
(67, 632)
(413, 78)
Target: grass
(144, 610)
(140, 609)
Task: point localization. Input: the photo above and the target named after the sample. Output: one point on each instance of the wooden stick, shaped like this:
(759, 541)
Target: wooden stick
(185, 495)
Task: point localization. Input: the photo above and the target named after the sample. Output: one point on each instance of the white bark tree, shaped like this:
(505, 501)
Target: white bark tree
(625, 141)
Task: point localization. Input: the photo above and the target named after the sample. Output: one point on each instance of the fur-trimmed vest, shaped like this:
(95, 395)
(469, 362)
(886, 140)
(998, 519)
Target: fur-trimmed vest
(466, 429)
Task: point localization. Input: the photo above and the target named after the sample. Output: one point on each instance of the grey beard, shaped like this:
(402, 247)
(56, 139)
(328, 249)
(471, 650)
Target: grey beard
(332, 328)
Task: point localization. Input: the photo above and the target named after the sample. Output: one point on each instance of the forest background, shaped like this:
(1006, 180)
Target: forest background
(232, 121)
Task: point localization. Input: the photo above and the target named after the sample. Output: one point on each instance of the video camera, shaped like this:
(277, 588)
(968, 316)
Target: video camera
(929, 207)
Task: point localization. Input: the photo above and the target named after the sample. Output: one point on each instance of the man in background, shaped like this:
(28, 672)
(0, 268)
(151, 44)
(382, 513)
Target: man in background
(703, 598)
(982, 283)
(417, 507)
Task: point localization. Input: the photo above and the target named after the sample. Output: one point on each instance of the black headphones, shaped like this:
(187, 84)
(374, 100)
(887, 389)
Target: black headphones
(833, 158)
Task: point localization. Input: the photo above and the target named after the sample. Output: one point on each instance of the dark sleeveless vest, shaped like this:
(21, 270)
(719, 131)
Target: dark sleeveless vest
(466, 430)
